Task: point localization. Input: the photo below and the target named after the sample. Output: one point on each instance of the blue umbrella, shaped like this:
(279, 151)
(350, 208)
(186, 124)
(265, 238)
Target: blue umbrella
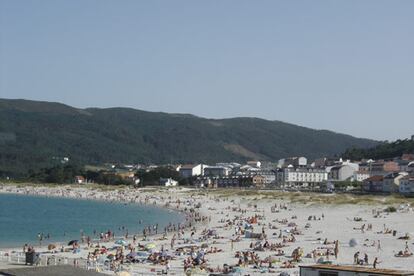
(121, 242)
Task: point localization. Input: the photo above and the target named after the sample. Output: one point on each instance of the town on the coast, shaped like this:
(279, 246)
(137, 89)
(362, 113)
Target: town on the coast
(328, 216)
(206, 138)
(327, 174)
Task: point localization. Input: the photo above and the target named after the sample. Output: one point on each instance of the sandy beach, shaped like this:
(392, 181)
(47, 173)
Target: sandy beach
(248, 233)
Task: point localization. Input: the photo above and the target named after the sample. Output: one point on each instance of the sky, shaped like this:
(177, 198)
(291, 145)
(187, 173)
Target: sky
(346, 66)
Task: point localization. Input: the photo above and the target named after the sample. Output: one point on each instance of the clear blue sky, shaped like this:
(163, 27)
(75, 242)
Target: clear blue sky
(346, 66)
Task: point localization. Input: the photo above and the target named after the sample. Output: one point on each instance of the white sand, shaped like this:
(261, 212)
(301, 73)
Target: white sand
(338, 224)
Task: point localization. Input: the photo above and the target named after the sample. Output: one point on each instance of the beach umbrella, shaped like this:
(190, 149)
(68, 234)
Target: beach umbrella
(353, 242)
(72, 242)
(102, 259)
(150, 246)
(121, 242)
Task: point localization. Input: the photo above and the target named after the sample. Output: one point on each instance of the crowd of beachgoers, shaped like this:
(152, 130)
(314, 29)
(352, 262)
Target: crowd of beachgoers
(233, 234)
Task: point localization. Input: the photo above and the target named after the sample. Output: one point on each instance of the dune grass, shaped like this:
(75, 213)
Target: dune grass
(309, 198)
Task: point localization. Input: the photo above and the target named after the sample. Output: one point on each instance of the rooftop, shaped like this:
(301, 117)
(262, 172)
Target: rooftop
(359, 269)
(375, 178)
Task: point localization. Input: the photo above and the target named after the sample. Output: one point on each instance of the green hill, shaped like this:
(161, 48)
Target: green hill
(35, 134)
(382, 151)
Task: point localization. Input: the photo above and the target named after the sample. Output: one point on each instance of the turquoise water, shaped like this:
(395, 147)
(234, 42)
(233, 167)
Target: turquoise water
(22, 217)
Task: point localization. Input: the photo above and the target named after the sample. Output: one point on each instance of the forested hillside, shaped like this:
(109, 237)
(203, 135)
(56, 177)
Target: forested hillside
(38, 134)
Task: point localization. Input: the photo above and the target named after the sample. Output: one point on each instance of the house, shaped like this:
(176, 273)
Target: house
(379, 167)
(402, 165)
(342, 172)
(373, 184)
(206, 182)
(410, 167)
(217, 171)
(294, 161)
(345, 270)
(255, 164)
(360, 176)
(407, 185)
(168, 182)
(408, 156)
(391, 183)
(384, 167)
(323, 162)
(79, 179)
(187, 171)
(256, 181)
(269, 175)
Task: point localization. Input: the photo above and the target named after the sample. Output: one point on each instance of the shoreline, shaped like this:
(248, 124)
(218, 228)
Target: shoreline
(134, 228)
(32, 190)
(231, 210)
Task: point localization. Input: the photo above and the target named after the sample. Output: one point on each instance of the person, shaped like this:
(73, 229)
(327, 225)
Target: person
(379, 245)
(366, 258)
(336, 250)
(356, 256)
(167, 267)
(376, 262)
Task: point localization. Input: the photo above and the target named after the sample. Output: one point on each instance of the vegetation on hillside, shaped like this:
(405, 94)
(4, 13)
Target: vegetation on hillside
(381, 151)
(65, 174)
(36, 135)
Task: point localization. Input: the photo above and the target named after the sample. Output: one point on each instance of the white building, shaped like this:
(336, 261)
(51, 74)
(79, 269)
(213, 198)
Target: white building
(342, 172)
(345, 270)
(216, 171)
(360, 176)
(391, 182)
(407, 185)
(187, 171)
(300, 176)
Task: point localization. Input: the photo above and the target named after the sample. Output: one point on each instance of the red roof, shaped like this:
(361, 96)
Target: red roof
(375, 178)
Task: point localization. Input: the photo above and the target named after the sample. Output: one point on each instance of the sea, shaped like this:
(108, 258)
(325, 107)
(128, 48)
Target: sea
(23, 217)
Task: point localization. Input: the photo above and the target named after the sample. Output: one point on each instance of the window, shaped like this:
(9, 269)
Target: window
(328, 273)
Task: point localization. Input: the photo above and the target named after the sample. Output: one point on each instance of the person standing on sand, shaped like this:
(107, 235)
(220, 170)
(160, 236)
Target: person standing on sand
(376, 262)
(336, 251)
(356, 256)
(167, 267)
